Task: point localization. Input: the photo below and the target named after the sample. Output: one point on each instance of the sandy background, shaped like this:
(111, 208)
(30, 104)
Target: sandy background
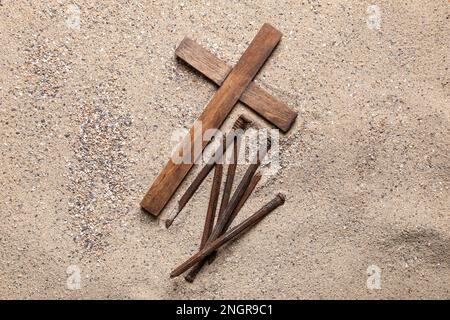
(87, 110)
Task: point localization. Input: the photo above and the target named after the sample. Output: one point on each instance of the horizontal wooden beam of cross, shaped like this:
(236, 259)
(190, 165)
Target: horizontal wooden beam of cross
(267, 106)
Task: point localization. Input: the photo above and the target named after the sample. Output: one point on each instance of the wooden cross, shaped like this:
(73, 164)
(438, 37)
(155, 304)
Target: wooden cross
(268, 107)
(235, 84)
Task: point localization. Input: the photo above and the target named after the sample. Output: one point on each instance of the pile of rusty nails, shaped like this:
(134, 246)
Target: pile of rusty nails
(216, 235)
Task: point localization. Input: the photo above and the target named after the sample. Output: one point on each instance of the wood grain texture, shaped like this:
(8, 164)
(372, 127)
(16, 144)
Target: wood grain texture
(212, 117)
(259, 100)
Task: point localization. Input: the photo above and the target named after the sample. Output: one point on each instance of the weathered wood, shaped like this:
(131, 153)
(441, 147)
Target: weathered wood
(203, 60)
(213, 116)
(267, 106)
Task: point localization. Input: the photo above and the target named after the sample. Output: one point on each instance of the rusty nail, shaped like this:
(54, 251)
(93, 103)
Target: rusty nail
(210, 215)
(239, 192)
(248, 192)
(230, 235)
(212, 206)
(224, 220)
(231, 172)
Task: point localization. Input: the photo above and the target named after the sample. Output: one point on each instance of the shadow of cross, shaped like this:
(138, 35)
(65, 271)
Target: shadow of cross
(233, 85)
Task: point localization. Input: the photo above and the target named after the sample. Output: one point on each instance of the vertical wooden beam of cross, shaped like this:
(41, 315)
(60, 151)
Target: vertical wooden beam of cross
(235, 84)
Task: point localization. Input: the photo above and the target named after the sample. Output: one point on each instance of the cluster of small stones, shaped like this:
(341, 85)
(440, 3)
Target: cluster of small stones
(98, 174)
(96, 171)
(46, 68)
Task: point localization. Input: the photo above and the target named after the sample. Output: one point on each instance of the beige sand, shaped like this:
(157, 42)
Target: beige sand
(90, 93)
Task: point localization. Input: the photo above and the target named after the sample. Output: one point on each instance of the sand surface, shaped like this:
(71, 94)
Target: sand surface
(90, 94)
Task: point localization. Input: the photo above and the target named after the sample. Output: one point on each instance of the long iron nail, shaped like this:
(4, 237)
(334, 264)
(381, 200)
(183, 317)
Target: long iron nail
(230, 235)
(212, 206)
(239, 192)
(255, 180)
(224, 219)
(210, 215)
(190, 277)
(231, 172)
